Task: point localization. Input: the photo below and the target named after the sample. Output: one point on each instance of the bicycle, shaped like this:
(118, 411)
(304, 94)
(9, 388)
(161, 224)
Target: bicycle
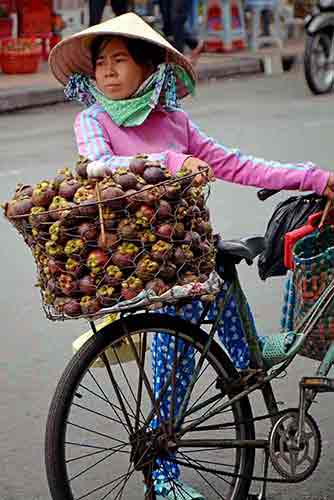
(79, 447)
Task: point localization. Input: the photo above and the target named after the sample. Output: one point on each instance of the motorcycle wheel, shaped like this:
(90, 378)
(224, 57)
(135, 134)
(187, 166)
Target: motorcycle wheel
(319, 62)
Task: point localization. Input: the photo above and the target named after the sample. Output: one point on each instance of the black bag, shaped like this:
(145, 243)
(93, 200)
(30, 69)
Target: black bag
(290, 214)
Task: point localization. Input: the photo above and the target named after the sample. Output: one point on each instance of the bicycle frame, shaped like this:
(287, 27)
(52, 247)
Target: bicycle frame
(261, 378)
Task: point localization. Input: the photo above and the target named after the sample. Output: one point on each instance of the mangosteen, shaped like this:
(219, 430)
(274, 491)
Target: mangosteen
(145, 211)
(74, 266)
(110, 218)
(127, 180)
(113, 197)
(161, 250)
(164, 210)
(23, 190)
(74, 247)
(178, 231)
(193, 239)
(90, 305)
(137, 164)
(58, 208)
(55, 266)
(127, 229)
(43, 194)
(72, 308)
(148, 238)
(114, 275)
(85, 197)
(107, 295)
(38, 216)
(18, 207)
(167, 271)
(96, 260)
(154, 173)
(67, 284)
(147, 268)
(60, 302)
(87, 285)
(149, 195)
(53, 249)
(131, 287)
(182, 254)
(164, 231)
(62, 175)
(87, 231)
(81, 166)
(68, 188)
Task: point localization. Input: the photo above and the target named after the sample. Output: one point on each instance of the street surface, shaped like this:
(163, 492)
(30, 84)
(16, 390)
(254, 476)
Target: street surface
(274, 118)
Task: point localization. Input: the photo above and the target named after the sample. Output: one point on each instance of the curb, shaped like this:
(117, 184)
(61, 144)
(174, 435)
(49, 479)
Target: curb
(17, 99)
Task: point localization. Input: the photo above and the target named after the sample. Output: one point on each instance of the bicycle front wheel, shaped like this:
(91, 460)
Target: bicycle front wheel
(113, 426)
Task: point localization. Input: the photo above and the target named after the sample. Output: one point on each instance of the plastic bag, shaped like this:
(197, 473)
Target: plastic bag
(290, 214)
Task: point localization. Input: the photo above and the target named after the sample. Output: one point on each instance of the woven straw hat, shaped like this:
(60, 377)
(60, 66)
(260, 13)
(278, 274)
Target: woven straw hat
(73, 54)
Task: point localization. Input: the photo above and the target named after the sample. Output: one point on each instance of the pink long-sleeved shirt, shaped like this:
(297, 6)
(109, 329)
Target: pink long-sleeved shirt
(171, 137)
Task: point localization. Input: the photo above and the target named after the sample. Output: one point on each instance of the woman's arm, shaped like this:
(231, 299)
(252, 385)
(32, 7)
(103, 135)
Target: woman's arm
(233, 166)
(93, 142)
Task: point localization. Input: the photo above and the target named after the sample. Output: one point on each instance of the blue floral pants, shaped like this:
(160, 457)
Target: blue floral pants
(230, 333)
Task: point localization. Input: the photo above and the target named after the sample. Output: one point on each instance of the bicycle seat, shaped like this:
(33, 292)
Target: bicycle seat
(245, 248)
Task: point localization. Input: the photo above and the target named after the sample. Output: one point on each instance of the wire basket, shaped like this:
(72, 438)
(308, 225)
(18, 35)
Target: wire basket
(112, 244)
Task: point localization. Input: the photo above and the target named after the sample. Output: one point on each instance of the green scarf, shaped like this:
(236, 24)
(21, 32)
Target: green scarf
(128, 112)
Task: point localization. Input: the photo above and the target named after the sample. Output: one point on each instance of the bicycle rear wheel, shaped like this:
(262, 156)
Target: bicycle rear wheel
(101, 440)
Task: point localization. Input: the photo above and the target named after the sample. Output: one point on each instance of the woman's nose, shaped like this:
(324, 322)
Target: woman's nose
(110, 69)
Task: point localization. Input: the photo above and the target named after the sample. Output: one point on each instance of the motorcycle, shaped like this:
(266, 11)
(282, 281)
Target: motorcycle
(319, 48)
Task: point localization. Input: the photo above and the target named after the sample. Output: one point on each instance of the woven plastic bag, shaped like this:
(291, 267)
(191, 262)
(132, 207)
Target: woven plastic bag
(314, 271)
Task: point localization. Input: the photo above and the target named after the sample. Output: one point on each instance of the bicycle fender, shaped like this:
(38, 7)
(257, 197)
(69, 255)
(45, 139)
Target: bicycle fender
(320, 22)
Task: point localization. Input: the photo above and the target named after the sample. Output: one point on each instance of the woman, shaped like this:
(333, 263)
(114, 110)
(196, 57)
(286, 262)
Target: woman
(131, 79)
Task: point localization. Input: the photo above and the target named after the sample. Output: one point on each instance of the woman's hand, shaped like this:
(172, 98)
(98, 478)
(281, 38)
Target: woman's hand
(194, 165)
(329, 191)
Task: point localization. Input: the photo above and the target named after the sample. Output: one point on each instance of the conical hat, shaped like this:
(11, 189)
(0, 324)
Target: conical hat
(73, 54)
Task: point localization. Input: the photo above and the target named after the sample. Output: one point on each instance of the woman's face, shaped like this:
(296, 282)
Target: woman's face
(117, 74)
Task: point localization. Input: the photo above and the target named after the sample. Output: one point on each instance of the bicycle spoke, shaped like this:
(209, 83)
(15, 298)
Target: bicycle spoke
(95, 432)
(101, 487)
(143, 375)
(129, 386)
(92, 466)
(117, 391)
(113, 405)
(97, 413)
(201, 475)
(140, 382)
(99, 386)
(163, 390)
(126, 480)
(87, 455)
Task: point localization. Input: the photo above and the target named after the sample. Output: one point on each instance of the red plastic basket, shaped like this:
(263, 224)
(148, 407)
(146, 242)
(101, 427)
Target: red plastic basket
(17, 59)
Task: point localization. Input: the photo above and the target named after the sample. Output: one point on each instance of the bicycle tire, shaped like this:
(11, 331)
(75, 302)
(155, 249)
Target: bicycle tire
(78, 365)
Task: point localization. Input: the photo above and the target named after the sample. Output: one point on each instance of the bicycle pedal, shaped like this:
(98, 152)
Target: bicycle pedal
(318, 384)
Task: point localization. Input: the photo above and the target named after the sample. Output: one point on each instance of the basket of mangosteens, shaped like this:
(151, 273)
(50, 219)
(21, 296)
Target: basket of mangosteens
(128, 239)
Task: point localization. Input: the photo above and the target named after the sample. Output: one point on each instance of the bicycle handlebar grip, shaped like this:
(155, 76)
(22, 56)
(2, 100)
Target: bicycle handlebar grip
(264, 194)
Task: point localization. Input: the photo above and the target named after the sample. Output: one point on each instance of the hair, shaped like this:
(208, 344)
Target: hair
(142, 52)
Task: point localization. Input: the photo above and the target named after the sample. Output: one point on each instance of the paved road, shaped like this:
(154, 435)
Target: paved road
(274, 118)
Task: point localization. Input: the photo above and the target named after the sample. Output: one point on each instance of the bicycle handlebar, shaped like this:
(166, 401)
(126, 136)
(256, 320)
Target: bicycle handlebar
(264, 194)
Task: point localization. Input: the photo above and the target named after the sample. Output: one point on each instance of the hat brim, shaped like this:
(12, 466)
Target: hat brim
(73, 54)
